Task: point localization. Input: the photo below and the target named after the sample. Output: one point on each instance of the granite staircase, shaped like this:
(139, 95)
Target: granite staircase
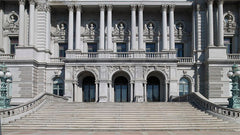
(119, 116)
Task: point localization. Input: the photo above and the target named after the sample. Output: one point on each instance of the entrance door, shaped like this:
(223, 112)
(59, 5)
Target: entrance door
(153, 89)
(121, 89)
(89, 89)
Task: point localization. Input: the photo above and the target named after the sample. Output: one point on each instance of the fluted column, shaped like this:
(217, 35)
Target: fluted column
(70, 28)
(102, 25)
(109, 27)
(31, 24)
(21, 22)
(220, 23)
(210, 23)
(133, 28)
(140, 28)
(171, 28)
(164, 27)
(78, 28)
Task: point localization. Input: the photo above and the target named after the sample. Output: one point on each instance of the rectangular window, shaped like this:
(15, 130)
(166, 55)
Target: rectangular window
(13, 44)
(92, 47)
(228, 44)
(180, 49)
(121, 47)
(62, 49)
(150, 47)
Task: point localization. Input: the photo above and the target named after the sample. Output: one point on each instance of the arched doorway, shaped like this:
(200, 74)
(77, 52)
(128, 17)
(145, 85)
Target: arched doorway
(89, 89)
(121, 89)
(153, 89)
(184, 86)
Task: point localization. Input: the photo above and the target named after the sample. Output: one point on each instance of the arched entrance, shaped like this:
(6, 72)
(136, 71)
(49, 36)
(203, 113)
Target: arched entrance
(156, 87)
(121, 89)
(153, 89)
(89, 89)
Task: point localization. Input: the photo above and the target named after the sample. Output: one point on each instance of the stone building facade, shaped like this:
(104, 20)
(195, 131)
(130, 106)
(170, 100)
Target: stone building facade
(120, 51)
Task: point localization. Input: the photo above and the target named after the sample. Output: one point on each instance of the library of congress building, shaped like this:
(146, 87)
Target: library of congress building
(119, 50)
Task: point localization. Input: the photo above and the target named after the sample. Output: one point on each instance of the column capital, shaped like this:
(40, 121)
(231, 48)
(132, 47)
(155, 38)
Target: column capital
(70, 7)
(210, 1)
(172, 7)
(32, 2)
(42, 7)
(140, 7)
(220, 2)
(78, 7)
(133, 7)
(164, 7)
(21, 2)
(109, 7)
(102, 7)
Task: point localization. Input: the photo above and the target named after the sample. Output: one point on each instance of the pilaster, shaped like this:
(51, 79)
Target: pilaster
(1, 27)
(210, 23)
(220, 24)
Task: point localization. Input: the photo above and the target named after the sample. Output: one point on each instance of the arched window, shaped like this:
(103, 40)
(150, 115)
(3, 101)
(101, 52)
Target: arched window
(184, 86)
(58, 86)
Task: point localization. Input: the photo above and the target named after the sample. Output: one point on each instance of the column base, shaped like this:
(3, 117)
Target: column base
(103, 99)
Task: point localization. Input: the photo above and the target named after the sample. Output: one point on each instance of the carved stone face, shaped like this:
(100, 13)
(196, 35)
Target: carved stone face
(63, 26)
(179, 26)
(150, 26)
(228, 18)
(121, 26)
(92, 26)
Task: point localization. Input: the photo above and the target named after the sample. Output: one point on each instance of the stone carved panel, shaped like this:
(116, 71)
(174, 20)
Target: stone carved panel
(120, 31)
(229, 22)
(61, 31)
(12, 22)
(91, 32)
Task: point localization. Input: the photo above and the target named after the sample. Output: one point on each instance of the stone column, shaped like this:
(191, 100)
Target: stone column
(198, 22)
(145, 91)
(48, 28)
(210, 23)
(133, 28)
(70, 28)
(78, 28)
(171, 28)
(102, 25)
(131, 84)
(109, 28)
(140, 28)
(220, 23)
(31, 24)
(1, 27)
(96, 92)
(21, 22)
(164, 27)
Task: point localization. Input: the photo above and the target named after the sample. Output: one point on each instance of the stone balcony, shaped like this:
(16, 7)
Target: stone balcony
(76, 55)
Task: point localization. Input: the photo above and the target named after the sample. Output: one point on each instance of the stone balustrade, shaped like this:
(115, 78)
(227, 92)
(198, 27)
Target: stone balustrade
(13, 113)
(234, 56)
(6, 56)
(117, 55)
(185, 59)
(203, 103)
(57, 60)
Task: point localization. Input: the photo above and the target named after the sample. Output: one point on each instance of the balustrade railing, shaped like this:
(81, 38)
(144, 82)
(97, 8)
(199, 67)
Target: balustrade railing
(7, 56)
(234, 56)
(203, 103)
(185, 59)
(17, 112)
(99, 55)
(57, 60)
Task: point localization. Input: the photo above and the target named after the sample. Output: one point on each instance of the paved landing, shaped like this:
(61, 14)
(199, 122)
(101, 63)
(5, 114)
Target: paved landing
(59, 132)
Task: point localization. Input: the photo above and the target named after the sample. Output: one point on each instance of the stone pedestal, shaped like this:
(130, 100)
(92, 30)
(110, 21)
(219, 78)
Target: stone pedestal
(219, 52)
